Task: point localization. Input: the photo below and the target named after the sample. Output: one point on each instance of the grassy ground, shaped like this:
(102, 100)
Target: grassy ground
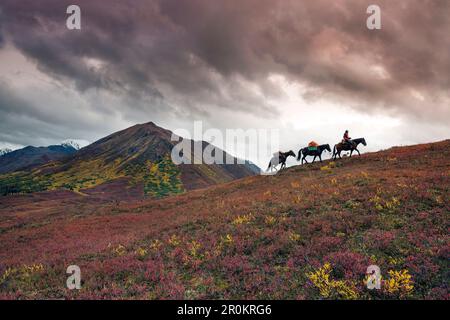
(309, 232)
(159, 179)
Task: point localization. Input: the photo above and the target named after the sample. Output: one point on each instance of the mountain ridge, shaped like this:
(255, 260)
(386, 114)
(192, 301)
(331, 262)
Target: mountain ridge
(30, 157)
(136, 159)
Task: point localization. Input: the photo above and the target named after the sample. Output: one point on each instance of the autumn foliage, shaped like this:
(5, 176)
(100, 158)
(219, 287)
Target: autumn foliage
(309, 232)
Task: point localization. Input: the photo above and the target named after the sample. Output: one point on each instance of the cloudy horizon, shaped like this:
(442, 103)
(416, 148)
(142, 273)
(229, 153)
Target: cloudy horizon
(309, 69)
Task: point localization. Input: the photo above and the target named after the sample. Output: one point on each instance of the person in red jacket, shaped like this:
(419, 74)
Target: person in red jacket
(347, 138)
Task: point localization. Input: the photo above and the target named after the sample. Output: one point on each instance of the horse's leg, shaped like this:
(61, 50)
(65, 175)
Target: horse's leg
(358, 151)
(270, 166)
(320, 157)
(314, 159)
(337, 153)
(351, 152)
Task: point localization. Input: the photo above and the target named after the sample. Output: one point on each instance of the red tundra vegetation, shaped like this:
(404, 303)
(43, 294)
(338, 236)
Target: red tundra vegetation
(309, 232)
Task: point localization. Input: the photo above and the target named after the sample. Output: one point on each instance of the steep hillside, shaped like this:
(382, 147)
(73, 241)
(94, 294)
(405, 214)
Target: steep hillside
(309, 232)
(30, 157)
(132, 162)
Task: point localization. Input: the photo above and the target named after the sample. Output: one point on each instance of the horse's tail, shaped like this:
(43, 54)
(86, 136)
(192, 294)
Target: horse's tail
(270, 164)
(334, 150)
(299, 154)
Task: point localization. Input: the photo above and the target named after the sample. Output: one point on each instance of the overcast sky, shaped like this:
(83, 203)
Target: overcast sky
(310, 69)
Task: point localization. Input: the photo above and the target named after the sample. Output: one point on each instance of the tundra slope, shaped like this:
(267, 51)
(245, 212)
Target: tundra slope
(309, 232)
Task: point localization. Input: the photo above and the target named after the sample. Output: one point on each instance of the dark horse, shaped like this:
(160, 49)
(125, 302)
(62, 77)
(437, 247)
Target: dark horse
(278, 158)
(312, 152)
(351, 146)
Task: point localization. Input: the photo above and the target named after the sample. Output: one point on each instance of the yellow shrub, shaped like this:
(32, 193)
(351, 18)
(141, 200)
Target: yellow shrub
(329, 287)
(393, 204)
(268, 193)
(399, 282)
(321, 279)
(270, 220)
(228, 239)
(295, 185)
(174, 241)
(8, 273)
(244, 219)
(155, 244)
(141, 252)
(195, 246)
(120, 250)
(344, 290)
(296, 199)
(30, 269)
(24, 272)
(295, 237)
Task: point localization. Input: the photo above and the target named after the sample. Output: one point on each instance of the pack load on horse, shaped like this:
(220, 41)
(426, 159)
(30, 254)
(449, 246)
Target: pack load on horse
(313, 149)
(279, 157)
(312, 146)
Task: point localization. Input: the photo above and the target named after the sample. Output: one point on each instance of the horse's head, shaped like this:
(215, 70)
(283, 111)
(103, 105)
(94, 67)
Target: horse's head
(327, 147)
(363, 141)
(290, 153)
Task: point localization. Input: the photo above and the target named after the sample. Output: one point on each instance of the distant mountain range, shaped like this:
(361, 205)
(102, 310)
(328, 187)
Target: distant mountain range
(129, 163)
(30, 157)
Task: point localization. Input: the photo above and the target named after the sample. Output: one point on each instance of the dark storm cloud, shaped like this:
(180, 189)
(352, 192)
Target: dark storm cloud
(201, 54)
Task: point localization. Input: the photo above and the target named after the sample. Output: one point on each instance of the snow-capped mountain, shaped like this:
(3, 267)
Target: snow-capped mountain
(4, 151)
(71, 143)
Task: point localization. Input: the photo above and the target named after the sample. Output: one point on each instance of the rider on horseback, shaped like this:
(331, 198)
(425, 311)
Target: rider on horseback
(347, 140)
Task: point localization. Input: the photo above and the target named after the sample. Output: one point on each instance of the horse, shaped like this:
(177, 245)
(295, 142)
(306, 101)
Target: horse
(352, 146)
(281, 157)
(314, 152)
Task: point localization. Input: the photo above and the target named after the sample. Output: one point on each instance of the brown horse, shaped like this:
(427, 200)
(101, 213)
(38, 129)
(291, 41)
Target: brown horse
(351, 146)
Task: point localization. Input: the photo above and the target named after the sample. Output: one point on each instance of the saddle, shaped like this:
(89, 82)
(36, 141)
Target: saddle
(348, 143)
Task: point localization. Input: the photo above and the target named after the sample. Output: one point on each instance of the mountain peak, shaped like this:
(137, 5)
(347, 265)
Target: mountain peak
(136, 160)
(70, 144)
